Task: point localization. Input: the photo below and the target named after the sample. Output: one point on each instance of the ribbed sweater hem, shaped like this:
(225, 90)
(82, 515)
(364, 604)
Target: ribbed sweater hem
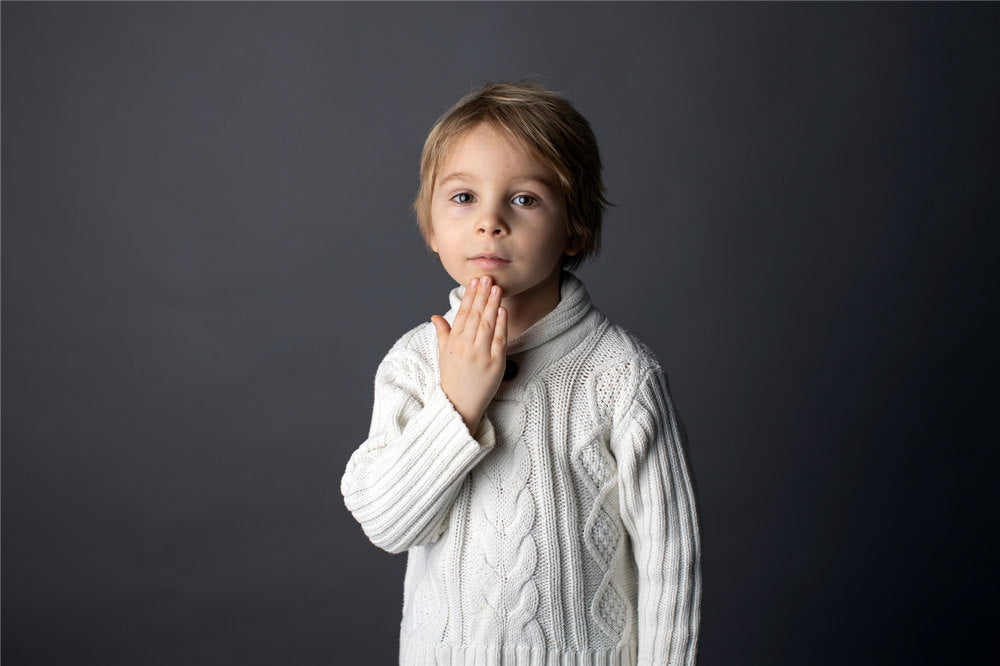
(414, 653)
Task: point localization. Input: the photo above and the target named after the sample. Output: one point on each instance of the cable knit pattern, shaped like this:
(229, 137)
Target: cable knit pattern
(564, 530)
(503, 515)
(604, 539)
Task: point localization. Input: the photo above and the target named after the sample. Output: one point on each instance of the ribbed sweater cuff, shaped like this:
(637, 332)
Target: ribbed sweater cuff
(408, 492)
(447, 427)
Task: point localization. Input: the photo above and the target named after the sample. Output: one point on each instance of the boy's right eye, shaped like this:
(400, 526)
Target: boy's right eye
(462, 198)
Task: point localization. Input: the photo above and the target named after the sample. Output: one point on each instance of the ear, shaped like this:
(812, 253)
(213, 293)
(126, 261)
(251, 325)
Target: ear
(573, 246)
(432, 242)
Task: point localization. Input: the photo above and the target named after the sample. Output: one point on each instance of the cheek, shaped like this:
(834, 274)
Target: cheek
(445, 247)
(556, 242)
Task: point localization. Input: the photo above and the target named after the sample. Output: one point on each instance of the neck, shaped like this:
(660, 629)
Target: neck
(526, 308)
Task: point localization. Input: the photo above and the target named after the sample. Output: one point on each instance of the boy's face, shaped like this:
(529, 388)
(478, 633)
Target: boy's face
(498, 211)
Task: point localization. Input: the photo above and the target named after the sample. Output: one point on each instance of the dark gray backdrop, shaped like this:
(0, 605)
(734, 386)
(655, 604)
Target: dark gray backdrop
(207, 249)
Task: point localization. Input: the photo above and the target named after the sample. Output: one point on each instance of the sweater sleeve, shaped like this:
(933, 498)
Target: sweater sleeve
(402, 481)
(657, 503)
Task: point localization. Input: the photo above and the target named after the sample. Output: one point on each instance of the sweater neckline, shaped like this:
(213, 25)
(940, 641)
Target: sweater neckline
(574, 304)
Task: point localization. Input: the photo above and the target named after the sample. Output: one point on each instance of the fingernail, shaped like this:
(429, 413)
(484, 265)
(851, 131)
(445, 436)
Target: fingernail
(474, 282)
(495, 290)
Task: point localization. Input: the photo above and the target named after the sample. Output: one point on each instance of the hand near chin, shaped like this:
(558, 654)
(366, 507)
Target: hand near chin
(473, 350)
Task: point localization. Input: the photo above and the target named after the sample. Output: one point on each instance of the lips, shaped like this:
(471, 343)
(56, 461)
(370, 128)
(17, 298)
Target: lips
(489, 260)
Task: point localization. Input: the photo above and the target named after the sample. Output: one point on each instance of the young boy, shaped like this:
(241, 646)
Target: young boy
(523, 448)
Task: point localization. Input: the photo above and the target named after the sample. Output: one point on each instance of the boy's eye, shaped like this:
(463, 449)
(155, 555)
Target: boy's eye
(524, 200)
(462, 198)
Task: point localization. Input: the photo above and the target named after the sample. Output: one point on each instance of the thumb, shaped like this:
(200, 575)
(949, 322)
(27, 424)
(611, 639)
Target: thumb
(442, 328)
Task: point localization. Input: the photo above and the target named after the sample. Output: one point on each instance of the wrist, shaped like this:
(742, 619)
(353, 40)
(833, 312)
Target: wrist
(471, 417)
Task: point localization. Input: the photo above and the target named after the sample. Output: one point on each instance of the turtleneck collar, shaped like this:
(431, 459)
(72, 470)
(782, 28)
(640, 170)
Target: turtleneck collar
(574, 304)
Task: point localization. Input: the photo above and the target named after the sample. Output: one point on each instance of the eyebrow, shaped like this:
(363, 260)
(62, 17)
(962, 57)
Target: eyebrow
(458, 175)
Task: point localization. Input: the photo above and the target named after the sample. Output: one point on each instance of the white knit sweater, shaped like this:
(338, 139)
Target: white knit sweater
(564, 531)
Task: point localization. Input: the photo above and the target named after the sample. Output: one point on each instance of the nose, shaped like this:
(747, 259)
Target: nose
(491, 222)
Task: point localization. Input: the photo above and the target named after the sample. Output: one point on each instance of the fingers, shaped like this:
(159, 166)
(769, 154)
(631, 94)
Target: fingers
(478, 318)
(465, 307)
(498, 347)
(475, 319)
(490, 313)
(442, 328)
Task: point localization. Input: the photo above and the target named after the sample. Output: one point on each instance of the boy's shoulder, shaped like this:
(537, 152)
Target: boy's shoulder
(418, 340)
(417, 347)
(619, 362)
(616, 345)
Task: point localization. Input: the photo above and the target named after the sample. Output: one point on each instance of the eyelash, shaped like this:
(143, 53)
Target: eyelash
(531, 200)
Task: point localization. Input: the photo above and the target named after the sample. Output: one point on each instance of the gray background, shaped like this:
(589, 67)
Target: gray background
(207, 249)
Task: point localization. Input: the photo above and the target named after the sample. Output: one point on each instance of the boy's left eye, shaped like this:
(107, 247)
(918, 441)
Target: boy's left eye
(524, 200)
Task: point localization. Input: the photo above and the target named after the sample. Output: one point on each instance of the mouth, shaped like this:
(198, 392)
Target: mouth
(489, 260)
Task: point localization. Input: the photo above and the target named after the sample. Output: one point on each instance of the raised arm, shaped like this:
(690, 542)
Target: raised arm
(658, 509)
(401, 482)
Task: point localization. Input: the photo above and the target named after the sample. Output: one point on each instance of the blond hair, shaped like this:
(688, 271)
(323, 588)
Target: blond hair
(549, 128)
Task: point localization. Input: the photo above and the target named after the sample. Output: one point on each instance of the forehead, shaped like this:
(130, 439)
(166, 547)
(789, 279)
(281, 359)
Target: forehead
(492, 148)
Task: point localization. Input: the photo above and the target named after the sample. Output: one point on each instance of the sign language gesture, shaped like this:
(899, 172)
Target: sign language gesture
(473, 350)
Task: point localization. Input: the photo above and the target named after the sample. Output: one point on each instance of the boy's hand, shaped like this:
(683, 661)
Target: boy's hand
(473, 350)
